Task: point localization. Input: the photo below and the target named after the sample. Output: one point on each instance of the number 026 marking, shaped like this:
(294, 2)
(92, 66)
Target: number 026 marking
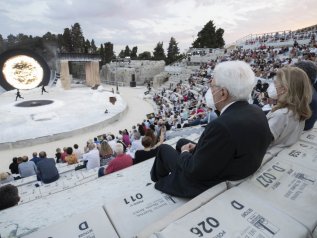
(205, 226)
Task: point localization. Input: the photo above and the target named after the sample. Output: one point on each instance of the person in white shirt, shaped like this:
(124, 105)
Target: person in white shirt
(293, 92)
(112, 142)
(136, 144)
(92, 157)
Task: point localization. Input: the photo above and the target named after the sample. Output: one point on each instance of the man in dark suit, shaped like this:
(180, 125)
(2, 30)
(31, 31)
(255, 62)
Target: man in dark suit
(231, 147)
(47, 171)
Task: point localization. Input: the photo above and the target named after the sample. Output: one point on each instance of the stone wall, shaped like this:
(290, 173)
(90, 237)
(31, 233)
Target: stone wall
(143, 70)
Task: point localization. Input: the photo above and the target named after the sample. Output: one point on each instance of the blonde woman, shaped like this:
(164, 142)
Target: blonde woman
(293, 92)
(106, 153)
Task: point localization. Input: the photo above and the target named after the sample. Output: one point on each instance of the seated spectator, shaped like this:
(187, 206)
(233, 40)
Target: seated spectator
(47, 171)
(112, 141)
(86, 148)
(35, 159)
(14, 166)
(231, 147)
(106, 153)
(58, 155)
(78, 152)
(6, 177)
(92, 157)
(9, 196)
(150, 132)
(120, 140)
(136, 144)
(121, 160)
(26, 168)
(97, 142)
(293, 92)
(64, 154)
(149, 150)
(125, 137)
(70, 157)
(311, 70)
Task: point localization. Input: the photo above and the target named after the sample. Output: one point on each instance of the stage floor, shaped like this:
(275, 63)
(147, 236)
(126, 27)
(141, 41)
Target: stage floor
(58, 113)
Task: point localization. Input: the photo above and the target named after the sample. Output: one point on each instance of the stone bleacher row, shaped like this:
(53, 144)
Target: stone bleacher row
(279, 200)
(30, 189)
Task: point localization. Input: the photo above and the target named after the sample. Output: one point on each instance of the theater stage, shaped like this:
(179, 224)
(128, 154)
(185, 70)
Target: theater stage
(54, 115)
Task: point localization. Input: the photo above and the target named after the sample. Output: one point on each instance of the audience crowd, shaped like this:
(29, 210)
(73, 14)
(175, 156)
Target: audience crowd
(285, 90)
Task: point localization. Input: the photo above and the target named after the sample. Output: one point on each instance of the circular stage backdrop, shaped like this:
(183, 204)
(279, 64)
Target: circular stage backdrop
(23, 69)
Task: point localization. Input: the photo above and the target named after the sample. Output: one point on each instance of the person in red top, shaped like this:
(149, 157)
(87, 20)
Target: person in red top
(121, 161)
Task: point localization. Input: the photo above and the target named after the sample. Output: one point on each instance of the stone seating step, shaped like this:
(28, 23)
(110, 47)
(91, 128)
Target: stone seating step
(310, 136)
(142, 206)
(288, 187)
(301, 153)
(183, 210)
(93, 223)
(235, 213)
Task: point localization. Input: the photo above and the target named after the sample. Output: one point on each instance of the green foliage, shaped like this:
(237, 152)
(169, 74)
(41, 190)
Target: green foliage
(121, 54)
(109, 54)
(1, 44)
(159, 53)
(93, 46)
(172, 51)
(67, 45)
(134, 53)
(49, 37)
(127, 51)
(209, 37)
(219, 37)
(77, 39)
(146, 55)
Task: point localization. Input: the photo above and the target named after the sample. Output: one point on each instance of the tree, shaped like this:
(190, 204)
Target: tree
(146, 55)
(21, 38)
(134, 53)
(159, 53)
(172, 51)
(67, 45)
(121, 54)
(219, 37)
(1, 44)
(93, 46)
(101, 51)
(78, 40)
(127, 51)
(11, 40)
(87, 46)
(208, 37)
(48, 36)
(109, 54)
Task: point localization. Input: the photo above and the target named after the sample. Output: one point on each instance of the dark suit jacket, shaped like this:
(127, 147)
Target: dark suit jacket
(231, 148)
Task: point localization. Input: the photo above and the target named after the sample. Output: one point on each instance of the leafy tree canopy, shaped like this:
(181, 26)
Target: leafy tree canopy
(209, 37)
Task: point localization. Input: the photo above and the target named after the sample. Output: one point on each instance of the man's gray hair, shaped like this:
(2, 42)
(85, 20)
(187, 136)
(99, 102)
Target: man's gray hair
(118, 149)
(237, 77)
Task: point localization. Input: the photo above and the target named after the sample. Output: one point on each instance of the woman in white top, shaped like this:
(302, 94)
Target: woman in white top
(293, 93)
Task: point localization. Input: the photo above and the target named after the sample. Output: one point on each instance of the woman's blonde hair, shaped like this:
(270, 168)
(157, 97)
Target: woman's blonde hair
(298, 93)
(105, 149)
